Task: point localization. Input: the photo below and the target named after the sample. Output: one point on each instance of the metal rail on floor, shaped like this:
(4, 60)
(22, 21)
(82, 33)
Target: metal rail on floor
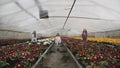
(77, 63)
(35, 66)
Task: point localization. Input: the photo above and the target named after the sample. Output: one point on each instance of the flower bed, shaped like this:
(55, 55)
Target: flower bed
(93, 54)
(107, 40)
(23, 56)
(4, 42)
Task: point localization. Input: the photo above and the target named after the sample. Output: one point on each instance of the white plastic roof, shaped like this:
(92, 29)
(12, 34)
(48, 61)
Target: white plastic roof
(94, 15)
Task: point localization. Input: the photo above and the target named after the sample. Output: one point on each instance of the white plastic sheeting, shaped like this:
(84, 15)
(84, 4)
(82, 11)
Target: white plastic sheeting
(94, 15)
(6, 34)
(106, 34)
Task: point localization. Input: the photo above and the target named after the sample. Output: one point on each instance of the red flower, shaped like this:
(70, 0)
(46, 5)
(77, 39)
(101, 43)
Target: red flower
(31, 58)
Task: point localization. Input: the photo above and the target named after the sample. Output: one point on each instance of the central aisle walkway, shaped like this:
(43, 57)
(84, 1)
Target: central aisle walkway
(59, 59)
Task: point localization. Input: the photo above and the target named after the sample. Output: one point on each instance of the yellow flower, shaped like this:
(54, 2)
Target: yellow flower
(109, 40)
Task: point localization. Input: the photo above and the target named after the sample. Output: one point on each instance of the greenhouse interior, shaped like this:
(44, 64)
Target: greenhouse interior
(59, 33)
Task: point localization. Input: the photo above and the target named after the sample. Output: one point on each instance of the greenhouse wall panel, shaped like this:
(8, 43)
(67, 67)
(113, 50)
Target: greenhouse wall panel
(14, 35)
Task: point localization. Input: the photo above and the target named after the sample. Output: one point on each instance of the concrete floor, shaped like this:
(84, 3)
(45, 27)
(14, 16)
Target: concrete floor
(58, 59)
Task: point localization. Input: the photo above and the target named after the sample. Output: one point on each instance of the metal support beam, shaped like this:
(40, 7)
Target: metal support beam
(17, 3)
(77, 63)
(40, 59)
(69, 13)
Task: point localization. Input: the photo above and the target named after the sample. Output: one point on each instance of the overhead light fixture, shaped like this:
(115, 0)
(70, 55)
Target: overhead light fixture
(44, 14)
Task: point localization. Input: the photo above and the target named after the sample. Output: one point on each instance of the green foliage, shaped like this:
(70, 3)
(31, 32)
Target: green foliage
(3, 63)
(103, 63)
(101, 66)
(18, 54)
(77, 56)
(113, 60)
(89, 66)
